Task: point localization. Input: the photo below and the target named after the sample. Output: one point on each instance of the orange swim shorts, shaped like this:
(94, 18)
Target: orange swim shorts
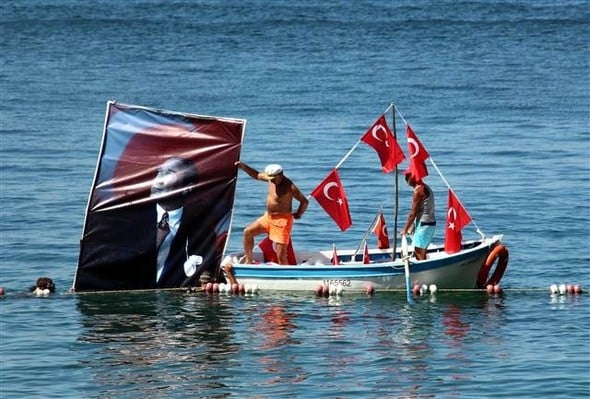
(278, 227)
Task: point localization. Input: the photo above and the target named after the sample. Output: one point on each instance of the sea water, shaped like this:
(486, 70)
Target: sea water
(498, 92)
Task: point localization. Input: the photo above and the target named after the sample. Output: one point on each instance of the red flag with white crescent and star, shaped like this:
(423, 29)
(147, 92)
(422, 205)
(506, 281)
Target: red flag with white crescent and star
(380, 230)
(457, 218)
(330, 195)
(418, 155)
(379, 137)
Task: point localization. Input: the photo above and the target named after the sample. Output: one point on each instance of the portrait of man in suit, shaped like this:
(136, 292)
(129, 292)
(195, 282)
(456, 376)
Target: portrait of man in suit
(165, 242)
(160, 205)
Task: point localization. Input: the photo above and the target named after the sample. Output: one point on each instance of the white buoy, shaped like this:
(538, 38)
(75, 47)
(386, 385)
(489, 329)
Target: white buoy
(247, 288)
(339, 290)
(433, 288)
(423, 289)
(332, 290)
(553, 289)
(254, 288)
(562, 289)
(222, 287)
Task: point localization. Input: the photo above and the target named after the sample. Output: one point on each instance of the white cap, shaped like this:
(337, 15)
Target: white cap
(273, 169)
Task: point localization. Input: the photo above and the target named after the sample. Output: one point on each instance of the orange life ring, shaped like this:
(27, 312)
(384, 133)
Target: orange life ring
(500, 253)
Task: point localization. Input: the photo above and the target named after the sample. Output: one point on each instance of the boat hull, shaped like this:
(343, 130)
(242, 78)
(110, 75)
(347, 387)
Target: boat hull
(454, 271)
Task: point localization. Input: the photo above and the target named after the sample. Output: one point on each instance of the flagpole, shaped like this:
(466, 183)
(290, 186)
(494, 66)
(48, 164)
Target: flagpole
(396, 195)
(347, 154)
(365, 236)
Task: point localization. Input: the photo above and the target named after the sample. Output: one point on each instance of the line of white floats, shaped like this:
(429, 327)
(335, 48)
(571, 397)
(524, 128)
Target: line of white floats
(564, 289)
(332, 290)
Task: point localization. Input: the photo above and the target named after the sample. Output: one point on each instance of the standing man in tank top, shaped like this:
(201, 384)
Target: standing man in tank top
(421, 220)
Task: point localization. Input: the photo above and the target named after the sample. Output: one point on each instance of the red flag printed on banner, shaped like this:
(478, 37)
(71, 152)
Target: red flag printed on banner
(380, 230)
(270, 254)
(330, 195)
(379, 137)
(418, 155)
(457, 218)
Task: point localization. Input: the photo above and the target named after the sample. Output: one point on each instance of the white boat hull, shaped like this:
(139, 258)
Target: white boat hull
(446, 271)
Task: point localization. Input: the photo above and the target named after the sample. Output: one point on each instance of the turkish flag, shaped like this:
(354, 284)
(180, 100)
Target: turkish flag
(269, 251)
(379, 137)
(335, 260)
(330, 195)
(380, 230)
(418, 155)
(457, 218)
(366, 257)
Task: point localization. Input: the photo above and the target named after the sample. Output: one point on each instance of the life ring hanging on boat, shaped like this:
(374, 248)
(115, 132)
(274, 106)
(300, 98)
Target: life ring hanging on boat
(499, 253)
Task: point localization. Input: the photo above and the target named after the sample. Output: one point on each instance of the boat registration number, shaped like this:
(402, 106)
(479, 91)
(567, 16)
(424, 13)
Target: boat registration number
(341, 283)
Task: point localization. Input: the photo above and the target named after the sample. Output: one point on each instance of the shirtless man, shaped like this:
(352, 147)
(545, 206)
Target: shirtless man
(421, 221)
(277, 221)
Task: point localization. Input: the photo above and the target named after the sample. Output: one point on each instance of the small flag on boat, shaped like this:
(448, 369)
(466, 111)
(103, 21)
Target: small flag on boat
(457, 218)
(330, 195)
(335, 260)
(380, 230)
(366, 257)
(269, 252)
(379, 137)
(418, 155)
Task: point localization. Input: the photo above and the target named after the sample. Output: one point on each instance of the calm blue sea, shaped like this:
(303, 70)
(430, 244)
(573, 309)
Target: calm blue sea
(498, 92)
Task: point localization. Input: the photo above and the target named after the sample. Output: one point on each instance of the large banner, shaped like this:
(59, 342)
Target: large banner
(160, 207)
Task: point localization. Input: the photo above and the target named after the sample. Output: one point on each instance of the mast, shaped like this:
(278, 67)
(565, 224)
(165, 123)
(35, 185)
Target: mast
(396, 195)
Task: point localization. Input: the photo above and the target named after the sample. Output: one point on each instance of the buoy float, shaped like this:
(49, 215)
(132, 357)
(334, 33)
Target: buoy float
(562, 289)
(318, 290)
(416, 289)
(370, 290)
(423, 289)
(499, 253)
